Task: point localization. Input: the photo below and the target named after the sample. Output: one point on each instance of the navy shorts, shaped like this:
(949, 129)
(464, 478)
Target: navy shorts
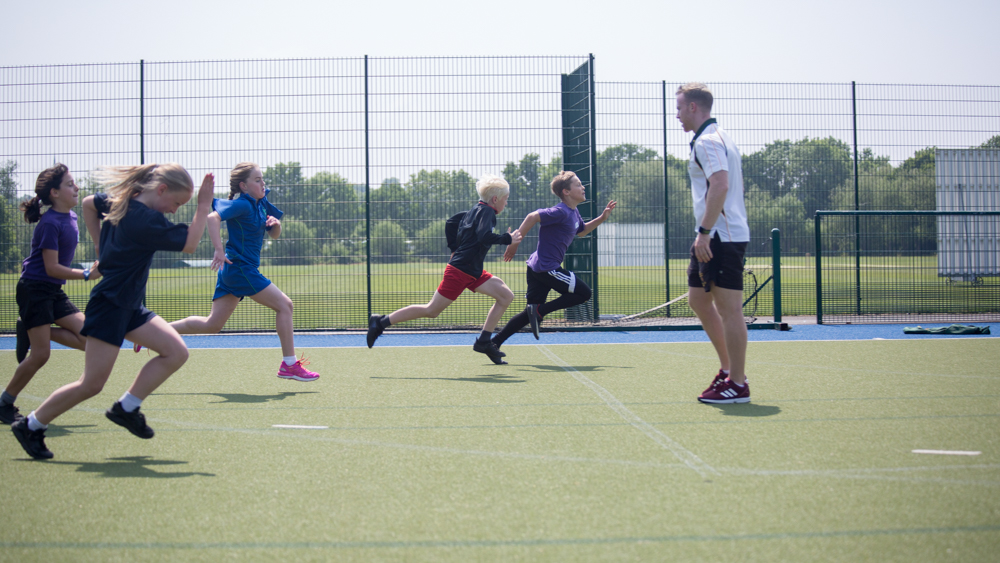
(40, 303)
(109, 322)
(240, 280)
(725, 269)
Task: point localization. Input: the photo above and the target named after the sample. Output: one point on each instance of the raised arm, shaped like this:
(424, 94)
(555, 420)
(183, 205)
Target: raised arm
(587, 227)
(197, 228)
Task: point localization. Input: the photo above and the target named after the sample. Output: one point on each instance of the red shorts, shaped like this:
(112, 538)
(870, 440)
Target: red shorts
(455, 281)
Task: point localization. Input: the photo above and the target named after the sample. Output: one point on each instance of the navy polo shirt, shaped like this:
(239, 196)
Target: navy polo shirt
(127, 250)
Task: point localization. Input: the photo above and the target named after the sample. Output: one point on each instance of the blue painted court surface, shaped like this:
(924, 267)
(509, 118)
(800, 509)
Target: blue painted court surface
(807, 332)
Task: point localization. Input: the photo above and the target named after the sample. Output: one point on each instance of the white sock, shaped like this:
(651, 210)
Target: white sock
(290, 360)
(33, 423)
(725, 371)
(130, 402)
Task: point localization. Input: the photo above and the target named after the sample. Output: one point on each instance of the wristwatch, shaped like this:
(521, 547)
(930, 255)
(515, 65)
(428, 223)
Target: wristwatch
(86, 274)
(704, 231)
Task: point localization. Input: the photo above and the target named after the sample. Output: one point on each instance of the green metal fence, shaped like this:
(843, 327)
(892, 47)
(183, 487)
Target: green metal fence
(907, 266)
(368, 156)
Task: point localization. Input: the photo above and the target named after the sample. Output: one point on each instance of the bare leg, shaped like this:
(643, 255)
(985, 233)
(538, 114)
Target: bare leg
(100, 359)
(431, 310)
(222, 309)
(161, 338)
(68, 332)
(703, 305)
(273, 298)
(495, 288)
(37, 357)
(729, 304)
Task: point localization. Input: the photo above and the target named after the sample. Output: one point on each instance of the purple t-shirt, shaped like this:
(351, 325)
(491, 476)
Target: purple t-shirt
(55, 231)
(559, 225)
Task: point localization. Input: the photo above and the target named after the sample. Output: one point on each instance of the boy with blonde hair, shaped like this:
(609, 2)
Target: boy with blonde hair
(470, 236)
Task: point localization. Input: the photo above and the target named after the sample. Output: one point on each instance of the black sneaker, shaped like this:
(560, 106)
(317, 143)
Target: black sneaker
(533, 319)
(33, 441)
(21, 348)
(9, 414)
(134, 422)
(374, 329)
(491, 351)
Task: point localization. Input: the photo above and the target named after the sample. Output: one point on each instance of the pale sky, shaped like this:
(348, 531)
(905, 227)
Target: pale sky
(887, 41)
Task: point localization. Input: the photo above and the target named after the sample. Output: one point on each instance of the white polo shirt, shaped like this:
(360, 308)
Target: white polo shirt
(713, 150)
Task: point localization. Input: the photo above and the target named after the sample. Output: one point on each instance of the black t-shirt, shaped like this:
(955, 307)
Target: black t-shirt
(127, 250)
(474, 238)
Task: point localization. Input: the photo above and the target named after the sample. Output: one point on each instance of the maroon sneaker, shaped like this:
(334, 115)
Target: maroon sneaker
(718, 377)
(724, 391)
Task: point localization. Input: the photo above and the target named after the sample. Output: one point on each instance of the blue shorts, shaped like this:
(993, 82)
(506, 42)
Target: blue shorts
(40, 303)
(240, 280)
(109, 322)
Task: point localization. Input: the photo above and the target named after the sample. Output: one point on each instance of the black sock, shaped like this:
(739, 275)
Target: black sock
(484, 336)
(7, 399)
(384, 321)
(516, 323)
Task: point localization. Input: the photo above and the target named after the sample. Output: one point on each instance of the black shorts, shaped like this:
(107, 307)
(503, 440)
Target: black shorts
(725, 269)
(109, 322)
(560, 279)
(40, 303)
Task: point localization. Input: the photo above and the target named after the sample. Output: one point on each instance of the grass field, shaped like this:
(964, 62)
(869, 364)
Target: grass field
(570, 453)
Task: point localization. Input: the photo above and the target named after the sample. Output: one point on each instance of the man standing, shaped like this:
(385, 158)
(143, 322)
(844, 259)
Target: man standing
(715, 273)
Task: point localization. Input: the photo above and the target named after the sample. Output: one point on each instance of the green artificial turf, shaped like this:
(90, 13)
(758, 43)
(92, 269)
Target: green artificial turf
(570, 453)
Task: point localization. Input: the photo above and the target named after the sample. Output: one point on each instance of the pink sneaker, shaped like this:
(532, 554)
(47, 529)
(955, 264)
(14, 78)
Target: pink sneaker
(297, 371)
(724, 391)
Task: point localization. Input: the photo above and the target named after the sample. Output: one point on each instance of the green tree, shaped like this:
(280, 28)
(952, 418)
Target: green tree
(297, 244)
(388, 242)
(992, 143)
(391, 202)
(431, 242)
(333, 210)
(10, 254)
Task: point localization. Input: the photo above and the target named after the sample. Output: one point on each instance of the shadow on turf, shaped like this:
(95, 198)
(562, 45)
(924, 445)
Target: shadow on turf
(560, 369)
(59, 431)
(245, 398)
(480, 379)
(747, 409)
(134, 466)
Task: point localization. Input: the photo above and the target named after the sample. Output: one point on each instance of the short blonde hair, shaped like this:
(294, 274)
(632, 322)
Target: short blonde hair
(490, 186)
(698, 93)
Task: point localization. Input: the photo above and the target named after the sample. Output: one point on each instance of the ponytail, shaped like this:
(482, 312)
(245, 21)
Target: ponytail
(130, 181)
(239, 174)
(48, 180)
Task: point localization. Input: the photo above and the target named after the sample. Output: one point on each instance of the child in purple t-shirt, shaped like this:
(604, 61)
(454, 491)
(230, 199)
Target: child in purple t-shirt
(559, 225)
(41, 301)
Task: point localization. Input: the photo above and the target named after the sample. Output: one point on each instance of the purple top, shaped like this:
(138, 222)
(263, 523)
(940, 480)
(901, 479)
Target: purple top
(55, 231)
(559, 225)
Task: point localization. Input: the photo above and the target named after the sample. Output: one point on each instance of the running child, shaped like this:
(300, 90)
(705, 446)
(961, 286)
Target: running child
(248, 215)
(41, 300)
(559, 225)
(134, 229)
(471, 239)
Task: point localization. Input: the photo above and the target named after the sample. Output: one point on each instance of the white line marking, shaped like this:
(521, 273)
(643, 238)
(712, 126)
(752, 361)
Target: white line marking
(945, 452)
(679, 451)
(299, 426)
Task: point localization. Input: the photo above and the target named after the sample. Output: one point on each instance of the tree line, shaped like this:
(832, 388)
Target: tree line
(786, 182)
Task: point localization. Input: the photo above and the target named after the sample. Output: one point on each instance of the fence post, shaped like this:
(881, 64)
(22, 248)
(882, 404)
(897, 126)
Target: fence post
(594, 187)
(142, 111)
(819, 270)
(857, 200)
(776, 271)
(666, 204)
(368, 203)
